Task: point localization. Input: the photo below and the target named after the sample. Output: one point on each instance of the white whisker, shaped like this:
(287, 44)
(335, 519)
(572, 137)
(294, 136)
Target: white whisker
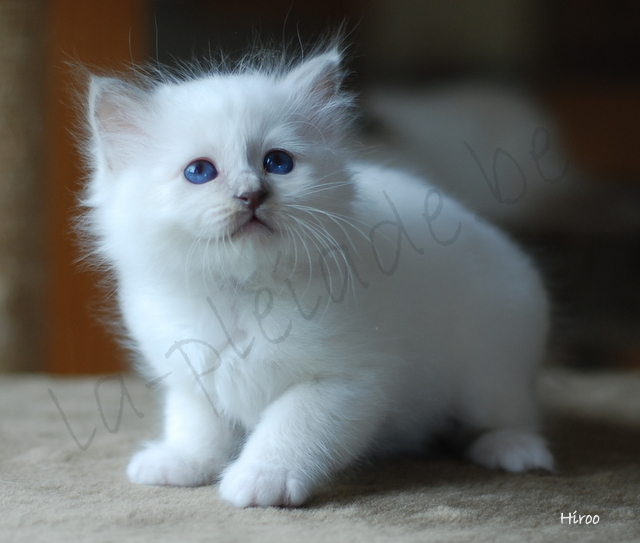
(326, 247)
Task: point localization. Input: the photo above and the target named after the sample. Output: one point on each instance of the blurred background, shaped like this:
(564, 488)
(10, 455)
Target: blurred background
(529, 111)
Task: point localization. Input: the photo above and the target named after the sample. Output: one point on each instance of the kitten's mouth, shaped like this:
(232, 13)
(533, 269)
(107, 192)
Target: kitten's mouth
(253, 225)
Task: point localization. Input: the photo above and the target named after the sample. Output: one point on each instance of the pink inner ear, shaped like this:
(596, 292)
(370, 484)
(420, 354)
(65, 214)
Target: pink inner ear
(321, 75)
(119, 114)
(117, 107)
(316, 84)
(327, 86)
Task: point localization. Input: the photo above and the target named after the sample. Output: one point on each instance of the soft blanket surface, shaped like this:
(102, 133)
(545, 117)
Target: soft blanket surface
(65, 443)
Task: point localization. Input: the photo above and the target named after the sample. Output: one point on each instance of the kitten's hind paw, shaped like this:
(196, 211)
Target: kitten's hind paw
(160, 464)
(245, 485)
(511, 450)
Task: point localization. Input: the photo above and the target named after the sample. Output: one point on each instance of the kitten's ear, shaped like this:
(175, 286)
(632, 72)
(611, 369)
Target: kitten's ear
(323, 103)
(117, 116)
(320, 76)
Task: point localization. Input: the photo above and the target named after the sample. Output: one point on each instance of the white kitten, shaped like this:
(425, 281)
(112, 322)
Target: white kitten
(301, 310)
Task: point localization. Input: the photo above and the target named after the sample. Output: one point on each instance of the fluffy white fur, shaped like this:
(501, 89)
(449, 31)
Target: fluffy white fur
(364, 314)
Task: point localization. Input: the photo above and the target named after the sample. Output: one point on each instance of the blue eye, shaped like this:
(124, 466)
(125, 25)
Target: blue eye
(200, 171)
(278, 162)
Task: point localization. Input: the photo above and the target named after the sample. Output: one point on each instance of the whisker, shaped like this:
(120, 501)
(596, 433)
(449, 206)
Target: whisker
(336, 219)
(327, 246)
(300, 223)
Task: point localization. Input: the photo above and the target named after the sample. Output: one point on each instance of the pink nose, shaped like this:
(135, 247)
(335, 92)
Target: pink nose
(253, 199)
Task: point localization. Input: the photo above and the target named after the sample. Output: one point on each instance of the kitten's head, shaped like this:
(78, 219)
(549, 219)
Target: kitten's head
(224, 172)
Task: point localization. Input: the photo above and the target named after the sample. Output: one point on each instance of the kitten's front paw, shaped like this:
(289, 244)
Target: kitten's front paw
(160, 464)
(511, 450)
(246, 484)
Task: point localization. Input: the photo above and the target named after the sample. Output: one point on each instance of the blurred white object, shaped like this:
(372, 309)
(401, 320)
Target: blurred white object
(489, 146)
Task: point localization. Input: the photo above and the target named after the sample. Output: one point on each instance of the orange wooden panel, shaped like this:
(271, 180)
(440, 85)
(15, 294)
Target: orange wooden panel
(601, 126)
(104, 35)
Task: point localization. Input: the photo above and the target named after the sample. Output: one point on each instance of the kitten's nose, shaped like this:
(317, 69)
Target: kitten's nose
(253, 199)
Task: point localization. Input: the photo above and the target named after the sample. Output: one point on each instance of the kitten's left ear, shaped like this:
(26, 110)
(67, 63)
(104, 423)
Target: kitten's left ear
(320, 76)
(117, 113)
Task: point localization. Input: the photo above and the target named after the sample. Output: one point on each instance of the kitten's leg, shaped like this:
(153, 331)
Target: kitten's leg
(510, 440)
(195, 447)
(511, 450)
(310, 431)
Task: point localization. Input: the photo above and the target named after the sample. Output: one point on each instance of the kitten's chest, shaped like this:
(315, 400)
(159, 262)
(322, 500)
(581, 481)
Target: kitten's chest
(243, 350)
(261, 355)
(228, 325)
(251, 370)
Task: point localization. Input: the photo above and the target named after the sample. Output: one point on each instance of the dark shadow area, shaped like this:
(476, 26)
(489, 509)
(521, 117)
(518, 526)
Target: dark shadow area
(583, 446)
(584, 449)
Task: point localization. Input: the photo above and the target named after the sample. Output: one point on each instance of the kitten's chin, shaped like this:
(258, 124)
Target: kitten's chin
(248, 251)
(253, 227)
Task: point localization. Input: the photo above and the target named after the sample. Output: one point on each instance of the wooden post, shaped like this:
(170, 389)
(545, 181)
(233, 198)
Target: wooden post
(101, 36)
(21, 225)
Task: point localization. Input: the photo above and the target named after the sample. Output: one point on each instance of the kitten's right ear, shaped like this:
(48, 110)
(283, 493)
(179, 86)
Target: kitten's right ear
(118, 112)
(320, 76)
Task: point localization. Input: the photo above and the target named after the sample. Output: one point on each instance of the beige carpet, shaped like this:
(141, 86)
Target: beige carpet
(52, 490)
